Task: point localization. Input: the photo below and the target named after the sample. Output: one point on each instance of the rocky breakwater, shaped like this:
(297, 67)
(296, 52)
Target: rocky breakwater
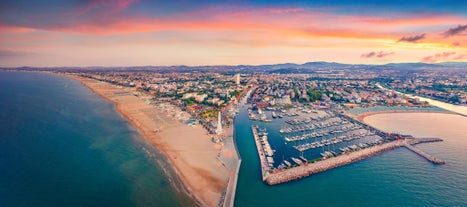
(305, 170)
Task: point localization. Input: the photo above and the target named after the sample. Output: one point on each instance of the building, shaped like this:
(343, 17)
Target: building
(237, 79)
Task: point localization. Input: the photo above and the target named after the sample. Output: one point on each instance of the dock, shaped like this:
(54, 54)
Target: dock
(261, 153)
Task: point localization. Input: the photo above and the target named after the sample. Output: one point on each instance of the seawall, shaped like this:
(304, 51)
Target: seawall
(329, 163)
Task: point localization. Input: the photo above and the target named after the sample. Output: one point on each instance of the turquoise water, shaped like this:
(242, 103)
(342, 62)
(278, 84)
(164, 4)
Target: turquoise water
(62, 145)
(395, 178)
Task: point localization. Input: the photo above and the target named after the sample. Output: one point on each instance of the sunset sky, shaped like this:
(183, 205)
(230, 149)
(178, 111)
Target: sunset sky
(139, 32)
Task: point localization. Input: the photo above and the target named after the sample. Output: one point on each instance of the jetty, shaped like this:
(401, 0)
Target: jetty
(409, 145)
(306, 169)
(301, 171)
(261, 153)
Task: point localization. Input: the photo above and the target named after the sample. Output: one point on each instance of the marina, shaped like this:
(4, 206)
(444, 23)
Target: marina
(336, 138)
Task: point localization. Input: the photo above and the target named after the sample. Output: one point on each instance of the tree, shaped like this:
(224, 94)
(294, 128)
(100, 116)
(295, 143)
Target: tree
(314, 94)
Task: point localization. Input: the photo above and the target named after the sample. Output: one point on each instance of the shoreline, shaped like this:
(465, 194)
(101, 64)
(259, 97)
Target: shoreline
(179, 158)
(362, 116)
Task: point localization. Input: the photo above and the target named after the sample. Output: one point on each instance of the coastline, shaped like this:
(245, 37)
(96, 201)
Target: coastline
(362, 116)
(189, 151)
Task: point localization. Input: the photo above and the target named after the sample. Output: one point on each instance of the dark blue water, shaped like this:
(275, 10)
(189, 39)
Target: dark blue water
(395, 178)
(62, 145)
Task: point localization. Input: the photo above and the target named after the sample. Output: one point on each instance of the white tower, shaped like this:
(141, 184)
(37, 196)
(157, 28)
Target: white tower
(237, 79)
(219, 124)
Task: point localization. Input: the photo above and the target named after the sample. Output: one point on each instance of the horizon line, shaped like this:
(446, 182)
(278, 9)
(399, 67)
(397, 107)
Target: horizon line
(226, 65)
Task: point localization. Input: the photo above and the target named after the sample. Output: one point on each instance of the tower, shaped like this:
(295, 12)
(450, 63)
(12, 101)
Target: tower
(219, 124)
(237, 79)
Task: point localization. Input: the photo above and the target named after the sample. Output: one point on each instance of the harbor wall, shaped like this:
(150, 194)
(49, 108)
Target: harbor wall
(329, 163)
(424, 154)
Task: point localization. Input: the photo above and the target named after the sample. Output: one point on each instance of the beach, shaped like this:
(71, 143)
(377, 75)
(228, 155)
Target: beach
(362, 116)
(188, 149)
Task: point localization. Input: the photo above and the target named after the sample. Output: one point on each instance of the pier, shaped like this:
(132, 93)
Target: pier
(423, 140)
(261, 153)
(424, 155)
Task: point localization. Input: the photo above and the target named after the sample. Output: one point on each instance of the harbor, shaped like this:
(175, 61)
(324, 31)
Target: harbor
(323, 139)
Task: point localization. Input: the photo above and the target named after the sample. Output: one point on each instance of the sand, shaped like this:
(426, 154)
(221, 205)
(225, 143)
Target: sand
(361, 117)
(188, 149)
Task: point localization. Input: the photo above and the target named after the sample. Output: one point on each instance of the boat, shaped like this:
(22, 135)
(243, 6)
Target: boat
(296, 160)
(274, 115)
(263, 132)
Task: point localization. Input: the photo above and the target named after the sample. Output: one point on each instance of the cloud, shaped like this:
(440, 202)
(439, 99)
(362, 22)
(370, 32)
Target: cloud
(456, 44)
(5, 54)
(412, 38)
(107, 6)
(455, 31)
(460, 57)
(379, 54)
(445, 56)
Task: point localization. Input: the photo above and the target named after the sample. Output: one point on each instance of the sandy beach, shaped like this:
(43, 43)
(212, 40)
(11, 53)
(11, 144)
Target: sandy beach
(361, 117)
(188, 149)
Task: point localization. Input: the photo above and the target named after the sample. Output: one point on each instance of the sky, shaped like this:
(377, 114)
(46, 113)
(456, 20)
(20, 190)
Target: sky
(58, 33)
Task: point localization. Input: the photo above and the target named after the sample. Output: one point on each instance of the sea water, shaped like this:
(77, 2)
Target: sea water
(395, 178)
(62, 145)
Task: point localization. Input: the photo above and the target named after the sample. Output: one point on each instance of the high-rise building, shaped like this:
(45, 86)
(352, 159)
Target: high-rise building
(219, 124)
(237, 79)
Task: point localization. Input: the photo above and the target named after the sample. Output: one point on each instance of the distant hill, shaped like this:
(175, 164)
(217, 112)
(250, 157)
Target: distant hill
(283, 68)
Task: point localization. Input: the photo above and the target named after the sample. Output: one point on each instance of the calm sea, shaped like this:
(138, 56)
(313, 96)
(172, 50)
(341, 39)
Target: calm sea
(62, 145)
(395, 178)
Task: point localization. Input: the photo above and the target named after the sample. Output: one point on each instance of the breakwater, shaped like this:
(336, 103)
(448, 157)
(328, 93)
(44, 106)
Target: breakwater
(329, 163)
(430, 158)
(307, 169)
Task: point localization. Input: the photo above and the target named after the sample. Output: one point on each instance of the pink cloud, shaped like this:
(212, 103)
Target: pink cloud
(461, 57)
(291, 23)
(379, 54)
(444, 56)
